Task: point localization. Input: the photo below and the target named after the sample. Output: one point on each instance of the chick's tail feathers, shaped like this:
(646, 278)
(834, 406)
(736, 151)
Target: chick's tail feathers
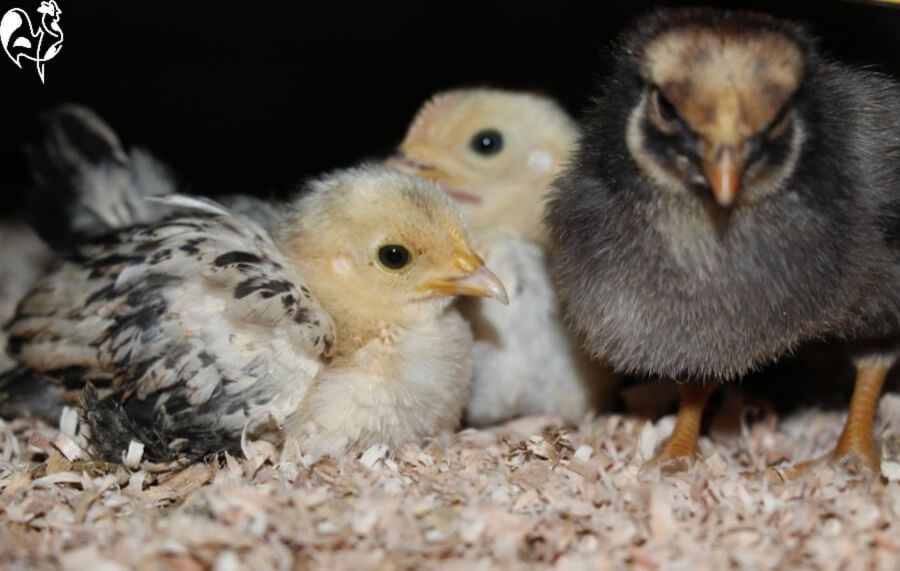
(84, 184)
(110, 424)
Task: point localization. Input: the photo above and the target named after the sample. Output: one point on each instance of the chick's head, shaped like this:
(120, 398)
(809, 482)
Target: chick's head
(378, 246)
(496, 152)
(716, 108)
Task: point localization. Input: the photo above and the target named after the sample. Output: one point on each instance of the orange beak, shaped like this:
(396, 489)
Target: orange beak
(723, 168)
(474, 279)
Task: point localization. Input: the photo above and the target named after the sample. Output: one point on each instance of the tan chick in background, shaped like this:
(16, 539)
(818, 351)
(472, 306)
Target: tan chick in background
(497, 152)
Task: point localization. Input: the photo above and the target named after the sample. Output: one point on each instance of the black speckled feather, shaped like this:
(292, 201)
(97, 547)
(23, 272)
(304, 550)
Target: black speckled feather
(186, 329)
(85, 184)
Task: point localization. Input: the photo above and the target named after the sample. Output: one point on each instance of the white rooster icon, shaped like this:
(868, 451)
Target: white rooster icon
(21, 41)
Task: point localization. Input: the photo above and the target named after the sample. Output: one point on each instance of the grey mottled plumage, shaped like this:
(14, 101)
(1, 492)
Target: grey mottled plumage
(187, 328)
(85, 184)
(735, 195)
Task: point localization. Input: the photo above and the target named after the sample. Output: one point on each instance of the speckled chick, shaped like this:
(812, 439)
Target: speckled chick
(734, 196)
(339, 325)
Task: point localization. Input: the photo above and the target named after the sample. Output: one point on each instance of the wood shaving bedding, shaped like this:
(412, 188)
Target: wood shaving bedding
(529, 494)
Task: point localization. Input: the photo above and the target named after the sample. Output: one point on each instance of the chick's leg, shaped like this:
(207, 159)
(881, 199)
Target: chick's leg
(857, 444)
(855, 451)
(680, 450)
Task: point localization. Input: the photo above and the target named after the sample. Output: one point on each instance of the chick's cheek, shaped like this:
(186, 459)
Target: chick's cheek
(540, 161)
(341, 266)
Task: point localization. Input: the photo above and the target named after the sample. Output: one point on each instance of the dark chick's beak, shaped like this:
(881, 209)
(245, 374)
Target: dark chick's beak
(723, 149)
(723, 167)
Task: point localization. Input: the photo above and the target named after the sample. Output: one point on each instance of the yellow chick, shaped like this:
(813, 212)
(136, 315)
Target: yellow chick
(397, 254)
(497, 153)
(339, 324)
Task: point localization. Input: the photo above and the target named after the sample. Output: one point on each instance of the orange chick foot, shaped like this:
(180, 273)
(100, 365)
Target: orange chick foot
(679, 452)
(863, 463)
(673, 457)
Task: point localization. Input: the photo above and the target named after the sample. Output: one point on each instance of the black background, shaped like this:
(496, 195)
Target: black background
(252, 97)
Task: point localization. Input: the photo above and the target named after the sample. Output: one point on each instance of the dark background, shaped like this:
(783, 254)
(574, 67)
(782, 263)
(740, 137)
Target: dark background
(252, 97)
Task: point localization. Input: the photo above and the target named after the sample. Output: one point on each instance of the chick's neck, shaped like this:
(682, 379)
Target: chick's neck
(512, 207)
(359, 313)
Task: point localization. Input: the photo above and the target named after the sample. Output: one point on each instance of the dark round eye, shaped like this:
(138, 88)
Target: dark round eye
(662, 113)
(780, 125)
(487, 142)
(394, 256)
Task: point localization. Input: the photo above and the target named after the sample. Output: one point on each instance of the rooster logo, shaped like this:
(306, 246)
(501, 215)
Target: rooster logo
(21, 41)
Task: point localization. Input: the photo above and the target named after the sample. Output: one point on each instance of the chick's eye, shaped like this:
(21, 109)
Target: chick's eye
(487, 142)
(662, 113)
(394, 256)
(779, 126)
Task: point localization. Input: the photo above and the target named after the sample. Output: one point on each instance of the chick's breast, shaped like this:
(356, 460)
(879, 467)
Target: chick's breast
(404, 385)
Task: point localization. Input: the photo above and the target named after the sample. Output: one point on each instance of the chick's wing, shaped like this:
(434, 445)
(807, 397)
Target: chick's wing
(197, 322)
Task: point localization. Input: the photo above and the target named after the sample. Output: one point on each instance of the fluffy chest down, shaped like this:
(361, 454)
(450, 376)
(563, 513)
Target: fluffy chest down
(403, 385)
(676, 292)
(525, 360)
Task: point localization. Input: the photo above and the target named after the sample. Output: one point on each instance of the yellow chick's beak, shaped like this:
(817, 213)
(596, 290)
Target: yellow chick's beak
(413, 159)
(475, 280)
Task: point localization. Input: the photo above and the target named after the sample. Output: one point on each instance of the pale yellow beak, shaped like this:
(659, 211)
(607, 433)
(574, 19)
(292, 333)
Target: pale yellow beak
(723, 167)
(474, 280)
(413, 159)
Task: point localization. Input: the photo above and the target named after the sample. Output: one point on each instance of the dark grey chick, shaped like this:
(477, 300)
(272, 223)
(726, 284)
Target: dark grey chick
(736, 194)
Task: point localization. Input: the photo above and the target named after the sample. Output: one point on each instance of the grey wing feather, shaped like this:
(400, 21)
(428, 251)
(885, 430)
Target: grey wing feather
(262, 212)
(192, 326)
(85, 184)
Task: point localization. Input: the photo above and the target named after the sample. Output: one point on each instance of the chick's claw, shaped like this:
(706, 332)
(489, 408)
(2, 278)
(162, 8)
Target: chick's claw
(680, 450)
(855, 453)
